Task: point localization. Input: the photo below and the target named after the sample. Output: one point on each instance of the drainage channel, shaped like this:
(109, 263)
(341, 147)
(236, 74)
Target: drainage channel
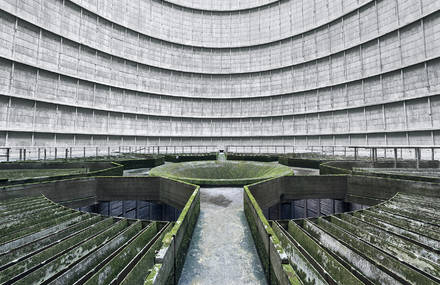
(222, 250)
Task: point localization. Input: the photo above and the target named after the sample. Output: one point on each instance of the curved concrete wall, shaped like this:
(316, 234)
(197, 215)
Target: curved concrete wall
(321, 72)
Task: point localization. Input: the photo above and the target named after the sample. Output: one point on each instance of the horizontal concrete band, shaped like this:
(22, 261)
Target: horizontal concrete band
(80, 190)
(330, 67)
(223, 6)
(299, 50)
(255, 28)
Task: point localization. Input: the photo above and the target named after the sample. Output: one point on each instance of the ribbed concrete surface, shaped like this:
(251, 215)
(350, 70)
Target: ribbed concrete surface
(43, 242)
(395, 242)
(322, 72)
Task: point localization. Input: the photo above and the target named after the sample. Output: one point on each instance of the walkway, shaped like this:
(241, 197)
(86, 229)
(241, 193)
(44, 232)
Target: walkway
(222, 250)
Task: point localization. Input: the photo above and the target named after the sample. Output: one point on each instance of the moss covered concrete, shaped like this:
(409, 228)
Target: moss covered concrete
(107, 273)
(168, 264)
(252, 157)
(14, 174)
(268, 245)
(221, 173)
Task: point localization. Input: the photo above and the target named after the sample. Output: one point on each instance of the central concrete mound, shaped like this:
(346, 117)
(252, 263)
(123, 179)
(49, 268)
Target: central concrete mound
(221, 173)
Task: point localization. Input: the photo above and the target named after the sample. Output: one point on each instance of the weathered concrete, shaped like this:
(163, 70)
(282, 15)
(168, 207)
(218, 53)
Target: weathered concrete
(372, 190)
(289, 73)
(84, 191)
(221, 173)
(299, 187)
(222, 250)
(300, 171)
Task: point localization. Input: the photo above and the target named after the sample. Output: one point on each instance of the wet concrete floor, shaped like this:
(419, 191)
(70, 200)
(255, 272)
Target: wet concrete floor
(222, 250)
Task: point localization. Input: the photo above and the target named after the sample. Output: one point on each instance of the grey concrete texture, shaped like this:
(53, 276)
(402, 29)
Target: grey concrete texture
(84, 191)
(299, 187)
(222, 250)
(359, 189)
(357, 241)
(89, 72)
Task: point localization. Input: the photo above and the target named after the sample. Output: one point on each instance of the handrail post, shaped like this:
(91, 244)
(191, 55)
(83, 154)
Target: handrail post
(417, 150)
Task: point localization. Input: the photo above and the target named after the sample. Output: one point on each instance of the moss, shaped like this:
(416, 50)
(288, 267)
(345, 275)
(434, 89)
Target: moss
(111, 269)
(182, 230)
(73, 223)
(32, 225)
(300, 162)
(380, 258)
(140, 271)
(306, 272)
(152, 276)
(30, 174)
(250, 206)
(338, 272)
(13, 174)
(291, 275)
(88, 265)
(63, 262)
(53, 251)
(169, 236)
(400, 248)
(252, 157)
(183, 157)
(221, 173)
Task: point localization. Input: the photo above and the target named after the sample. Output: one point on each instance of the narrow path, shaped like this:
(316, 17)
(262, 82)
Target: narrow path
(222, 250)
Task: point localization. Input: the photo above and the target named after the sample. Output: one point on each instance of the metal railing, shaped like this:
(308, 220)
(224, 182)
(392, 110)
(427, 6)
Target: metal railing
(420, 152)
(22, 153)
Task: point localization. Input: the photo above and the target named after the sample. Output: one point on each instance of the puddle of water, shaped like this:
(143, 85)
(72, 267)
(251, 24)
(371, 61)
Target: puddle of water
(222, 250)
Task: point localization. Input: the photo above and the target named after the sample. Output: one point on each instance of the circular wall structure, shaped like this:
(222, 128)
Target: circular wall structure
(277, 73)
(221, 173)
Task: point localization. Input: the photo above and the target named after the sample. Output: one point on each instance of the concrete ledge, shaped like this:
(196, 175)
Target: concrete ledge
(273, 258)
(171, 256)
(271, 192)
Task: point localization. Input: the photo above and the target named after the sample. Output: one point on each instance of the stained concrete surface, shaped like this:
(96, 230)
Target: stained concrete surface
(222, 250)
(137, 172)
(305, 171)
